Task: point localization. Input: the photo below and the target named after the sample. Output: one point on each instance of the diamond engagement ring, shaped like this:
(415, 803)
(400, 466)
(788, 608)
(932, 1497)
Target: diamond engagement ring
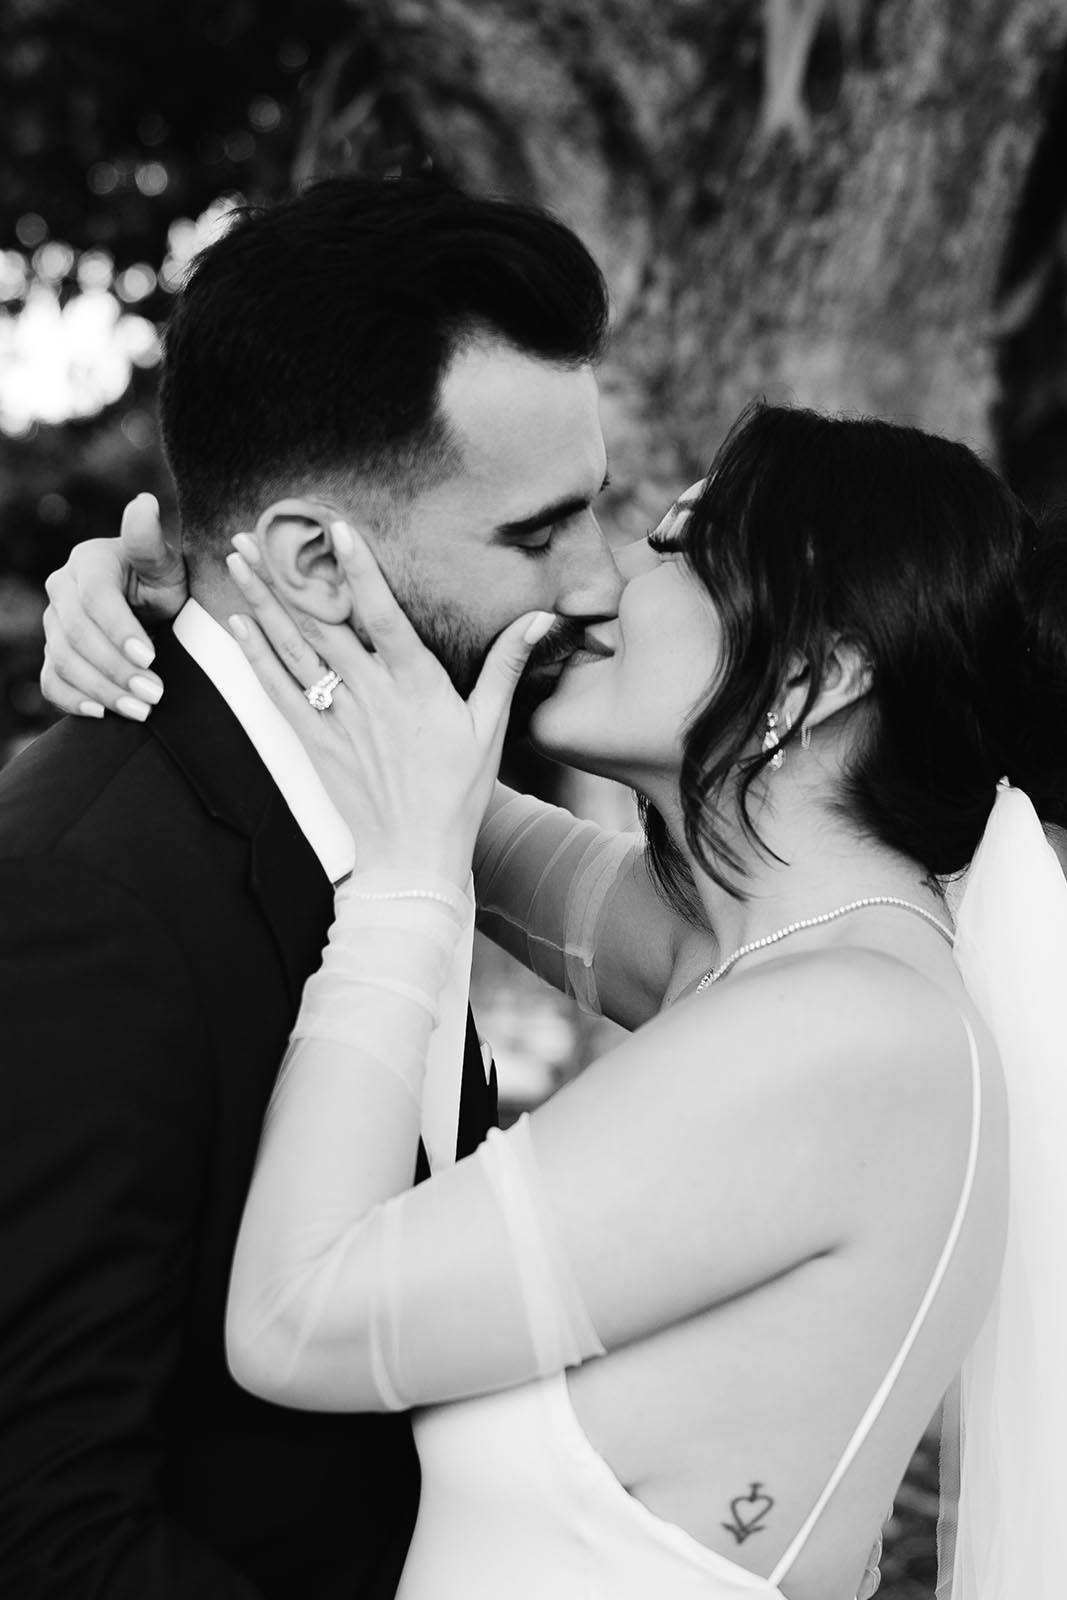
(320, 694)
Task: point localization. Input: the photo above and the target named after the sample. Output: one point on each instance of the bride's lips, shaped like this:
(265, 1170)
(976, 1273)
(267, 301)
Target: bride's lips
(588, 651)
(542, 679)
(577, 648)
(547, 669)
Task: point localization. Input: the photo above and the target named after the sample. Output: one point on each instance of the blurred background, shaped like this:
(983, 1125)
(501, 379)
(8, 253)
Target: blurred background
(859, 204)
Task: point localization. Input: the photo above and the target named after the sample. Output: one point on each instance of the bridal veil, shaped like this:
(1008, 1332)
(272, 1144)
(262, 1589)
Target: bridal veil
(1004, 1444)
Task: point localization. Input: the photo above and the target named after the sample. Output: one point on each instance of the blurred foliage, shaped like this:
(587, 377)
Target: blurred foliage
(117, 120)
(115, 117)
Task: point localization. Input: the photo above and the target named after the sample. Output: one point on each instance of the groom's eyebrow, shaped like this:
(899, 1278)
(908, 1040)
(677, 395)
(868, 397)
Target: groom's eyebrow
(549, 516)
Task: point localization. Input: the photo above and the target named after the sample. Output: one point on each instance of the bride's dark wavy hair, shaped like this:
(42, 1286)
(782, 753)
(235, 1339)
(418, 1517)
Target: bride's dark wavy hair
(813, 529)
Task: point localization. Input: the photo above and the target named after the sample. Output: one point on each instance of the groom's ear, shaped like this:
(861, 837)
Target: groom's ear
(297, 548)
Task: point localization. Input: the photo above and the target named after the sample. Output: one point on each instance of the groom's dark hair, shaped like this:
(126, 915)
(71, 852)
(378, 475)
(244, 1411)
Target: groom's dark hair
(308, 345)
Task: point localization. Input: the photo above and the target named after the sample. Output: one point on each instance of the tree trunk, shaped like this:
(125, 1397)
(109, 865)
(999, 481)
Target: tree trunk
(793, 201)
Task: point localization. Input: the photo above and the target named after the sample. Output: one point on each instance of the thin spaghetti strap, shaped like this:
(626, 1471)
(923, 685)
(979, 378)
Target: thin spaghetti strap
(873, 1411)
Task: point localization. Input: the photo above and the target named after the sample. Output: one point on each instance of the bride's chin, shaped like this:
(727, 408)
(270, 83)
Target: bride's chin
(572, 745)
(553, 742)
(550, 727)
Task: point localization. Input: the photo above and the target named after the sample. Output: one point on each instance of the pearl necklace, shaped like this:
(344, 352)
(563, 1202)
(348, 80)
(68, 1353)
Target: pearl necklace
(715, 973)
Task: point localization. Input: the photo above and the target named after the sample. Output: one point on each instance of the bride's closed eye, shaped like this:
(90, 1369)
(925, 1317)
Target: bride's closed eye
(666, 537)
(664, 544)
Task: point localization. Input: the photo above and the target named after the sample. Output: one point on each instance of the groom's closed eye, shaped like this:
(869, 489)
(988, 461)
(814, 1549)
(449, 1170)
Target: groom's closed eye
(533, 537)
(539, 546)
(533, 534)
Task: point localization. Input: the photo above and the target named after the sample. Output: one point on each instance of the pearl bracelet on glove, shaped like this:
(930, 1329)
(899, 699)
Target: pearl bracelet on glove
(393, 885)
(405, 894)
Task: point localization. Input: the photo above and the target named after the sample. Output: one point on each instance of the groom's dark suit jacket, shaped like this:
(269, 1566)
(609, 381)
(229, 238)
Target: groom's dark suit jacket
(159, 913)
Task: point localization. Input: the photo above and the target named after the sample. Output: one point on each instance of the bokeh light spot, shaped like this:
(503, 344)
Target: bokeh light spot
(292, 55)
(135, 283)
(102, 177)
(264, 113)
(53, 509)
(14, 275)
(95, 270)
(240, 146)
(138, 428)
(153, 128)
(31, 230)
(151, 177)
(53, 261)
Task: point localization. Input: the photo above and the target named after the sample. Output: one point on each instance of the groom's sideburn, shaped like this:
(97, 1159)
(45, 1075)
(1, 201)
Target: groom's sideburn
(160, 911)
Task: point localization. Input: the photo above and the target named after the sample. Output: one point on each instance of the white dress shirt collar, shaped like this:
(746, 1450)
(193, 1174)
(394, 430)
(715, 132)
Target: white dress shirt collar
(289, 764)
(278, 747)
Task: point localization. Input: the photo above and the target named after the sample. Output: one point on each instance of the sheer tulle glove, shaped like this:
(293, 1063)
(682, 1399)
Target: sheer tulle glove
(347, 1292)
(408, 763)
(544, 880)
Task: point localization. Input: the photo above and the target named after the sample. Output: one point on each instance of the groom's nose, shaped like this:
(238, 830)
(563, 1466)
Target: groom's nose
(591, 583)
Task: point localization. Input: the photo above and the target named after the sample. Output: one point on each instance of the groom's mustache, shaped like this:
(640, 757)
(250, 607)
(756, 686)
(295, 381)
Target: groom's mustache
(542, 670)
(556, 647)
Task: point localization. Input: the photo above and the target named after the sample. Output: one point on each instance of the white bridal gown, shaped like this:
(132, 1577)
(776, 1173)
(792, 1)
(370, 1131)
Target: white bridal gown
(346, 1298)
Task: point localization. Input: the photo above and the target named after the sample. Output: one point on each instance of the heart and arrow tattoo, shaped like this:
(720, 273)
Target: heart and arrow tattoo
(749, 1512)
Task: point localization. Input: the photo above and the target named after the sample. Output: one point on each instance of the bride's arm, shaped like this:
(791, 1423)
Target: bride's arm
(576, 904)
(315, 1299)
(647, 1191)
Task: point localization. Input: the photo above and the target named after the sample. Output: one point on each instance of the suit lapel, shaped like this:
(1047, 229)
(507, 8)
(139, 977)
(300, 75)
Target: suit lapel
(207, 742)
(477, 1103)
(205, 739)
(294, 893)
(478, 1099)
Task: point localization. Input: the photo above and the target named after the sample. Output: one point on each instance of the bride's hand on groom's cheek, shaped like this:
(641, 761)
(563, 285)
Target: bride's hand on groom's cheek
(283, 638)
(408, 763)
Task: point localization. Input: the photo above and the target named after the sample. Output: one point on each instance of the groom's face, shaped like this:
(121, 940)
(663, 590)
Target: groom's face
(513, 529)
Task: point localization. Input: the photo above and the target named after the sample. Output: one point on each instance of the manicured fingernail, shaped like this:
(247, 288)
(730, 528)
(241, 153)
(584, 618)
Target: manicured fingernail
(539, 626)
(239, 569)
(90, 708)
(343, 541)
(141, 654)
(136, 709)
(147, 689)
(238, 626)
(247, 546)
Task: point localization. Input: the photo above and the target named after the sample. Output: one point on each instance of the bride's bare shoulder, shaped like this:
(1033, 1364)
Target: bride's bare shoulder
(839, 1029)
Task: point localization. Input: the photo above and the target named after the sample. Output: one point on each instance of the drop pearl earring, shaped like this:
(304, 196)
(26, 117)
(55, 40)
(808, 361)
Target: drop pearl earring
(771, 741)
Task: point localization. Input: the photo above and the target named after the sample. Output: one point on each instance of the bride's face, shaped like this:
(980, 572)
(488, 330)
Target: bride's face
(623, 704)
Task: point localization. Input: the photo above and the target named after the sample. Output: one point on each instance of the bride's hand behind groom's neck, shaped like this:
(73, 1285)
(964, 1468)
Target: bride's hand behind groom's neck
(157, 579)
(98, 596)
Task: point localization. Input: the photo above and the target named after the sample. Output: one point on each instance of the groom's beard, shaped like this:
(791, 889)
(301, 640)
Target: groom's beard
(462, 652)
